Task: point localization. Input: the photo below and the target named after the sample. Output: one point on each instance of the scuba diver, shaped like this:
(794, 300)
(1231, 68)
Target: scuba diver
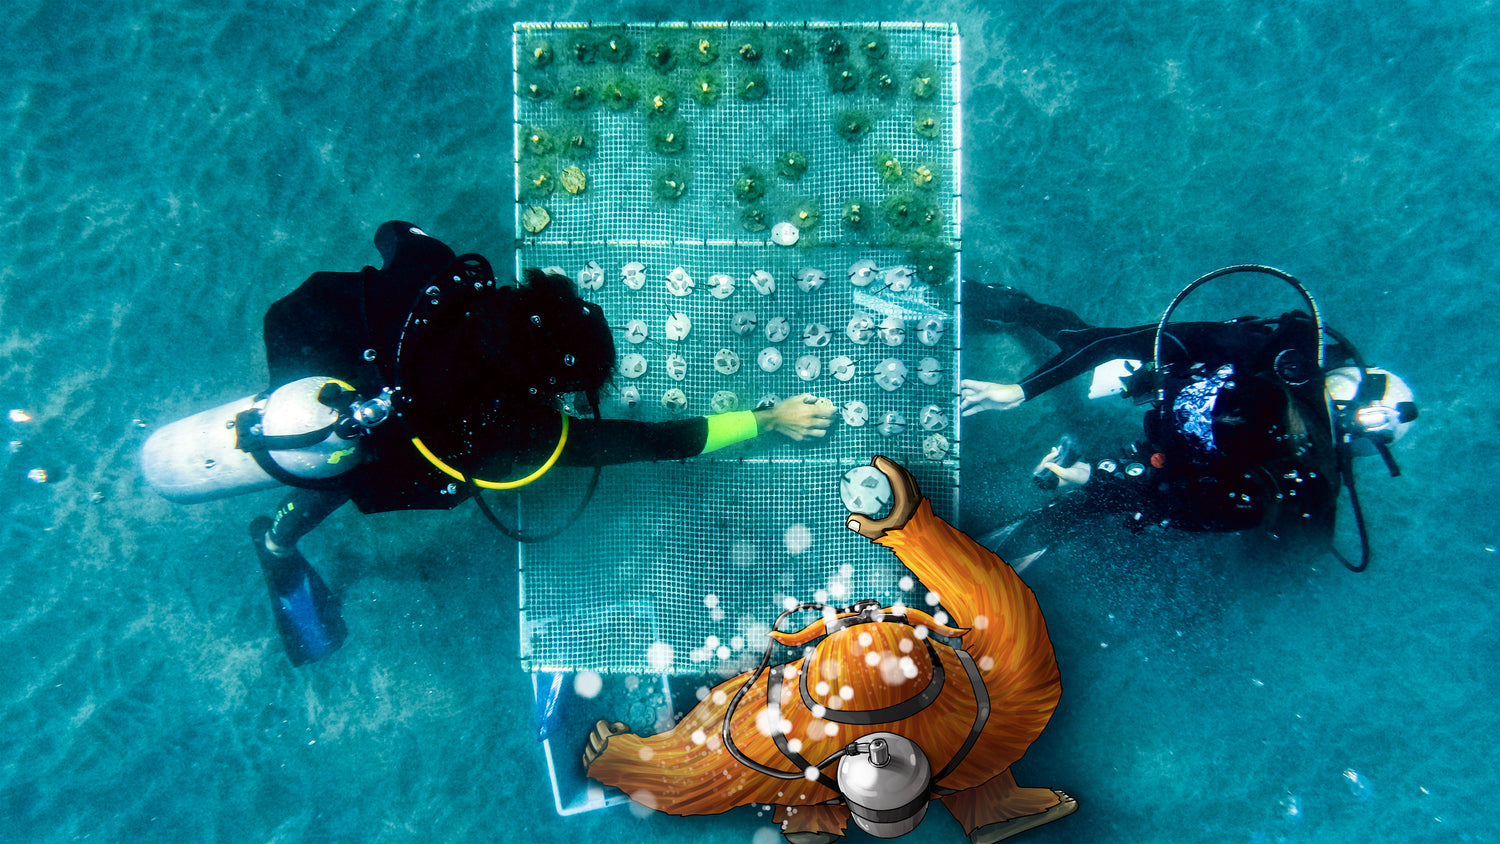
(1254, 421)
(911, 707)
(413, 387)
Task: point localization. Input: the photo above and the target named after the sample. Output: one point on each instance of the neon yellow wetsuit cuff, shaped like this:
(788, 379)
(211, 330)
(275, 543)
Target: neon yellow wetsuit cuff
(729, 428)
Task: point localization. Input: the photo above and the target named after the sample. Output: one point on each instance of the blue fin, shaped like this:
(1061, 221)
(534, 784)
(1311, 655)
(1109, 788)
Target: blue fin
(306, 610)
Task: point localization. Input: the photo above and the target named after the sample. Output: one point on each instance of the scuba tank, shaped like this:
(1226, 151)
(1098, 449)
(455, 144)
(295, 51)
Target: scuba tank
(886, 781)
(298, 435)
(1363, 409)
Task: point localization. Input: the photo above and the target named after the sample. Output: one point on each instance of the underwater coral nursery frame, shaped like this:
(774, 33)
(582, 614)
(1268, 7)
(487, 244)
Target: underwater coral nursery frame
(761, 209)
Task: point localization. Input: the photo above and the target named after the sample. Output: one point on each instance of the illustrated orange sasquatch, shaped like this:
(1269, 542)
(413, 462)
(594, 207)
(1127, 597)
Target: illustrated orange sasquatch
(971, 704)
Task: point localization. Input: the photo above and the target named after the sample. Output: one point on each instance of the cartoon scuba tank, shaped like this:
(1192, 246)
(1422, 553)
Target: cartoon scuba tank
(886, 781)
(302, 434)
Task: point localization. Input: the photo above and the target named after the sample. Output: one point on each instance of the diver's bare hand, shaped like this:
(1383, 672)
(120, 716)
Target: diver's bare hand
(798, 417)
(978, 396)
(905, 497)
(599, 738)
(1076, 474)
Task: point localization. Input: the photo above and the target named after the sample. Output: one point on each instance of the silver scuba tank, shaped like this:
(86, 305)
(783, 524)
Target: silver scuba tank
(886, 783)
(208, 455)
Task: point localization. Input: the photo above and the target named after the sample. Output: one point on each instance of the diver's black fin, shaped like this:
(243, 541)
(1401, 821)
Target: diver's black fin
(306, 610)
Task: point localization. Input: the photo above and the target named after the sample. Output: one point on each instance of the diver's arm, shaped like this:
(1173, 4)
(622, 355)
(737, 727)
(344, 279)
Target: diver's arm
(605, 442)
(978, 396)
(799, 417)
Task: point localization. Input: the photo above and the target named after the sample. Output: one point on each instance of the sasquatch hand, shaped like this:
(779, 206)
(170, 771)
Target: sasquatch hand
(904, 500)
(599, 738)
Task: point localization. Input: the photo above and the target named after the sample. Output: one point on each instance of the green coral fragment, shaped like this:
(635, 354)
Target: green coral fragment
(882, 83)
(749, 48)
(583, 47)
(753, 86)
(791, 50)
(578, 141)
(706, 88)
(537, 182)
(791, 165)
(705, 50)
(618, 93)
(615, 46)
(855, 215)
(842, 79)
(539, 54)
(753, 220)
(668, 137)
(874, 44)
(853, 124)
(661, 102)
(924, 81)
(751, 185)
(671, 182)
(805, 214)
(536, 141)
(833, 48)
(536, 87)
(934, 264)
(925, 123)
(907, 213)
(661, 56)
(924, 176)
(577, 96)
(888, 166)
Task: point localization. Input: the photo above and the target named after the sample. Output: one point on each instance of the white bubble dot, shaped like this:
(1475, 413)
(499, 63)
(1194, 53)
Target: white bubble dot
(587, 684)
(797, 539)
(906, 584)
(659, 656)
(642, 804)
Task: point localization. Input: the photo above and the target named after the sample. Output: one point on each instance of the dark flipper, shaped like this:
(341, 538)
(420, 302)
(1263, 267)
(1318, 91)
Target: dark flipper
(306, 610)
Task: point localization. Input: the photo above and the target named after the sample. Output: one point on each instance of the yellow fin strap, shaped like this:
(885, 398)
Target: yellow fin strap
(729, 428)
(451, 472)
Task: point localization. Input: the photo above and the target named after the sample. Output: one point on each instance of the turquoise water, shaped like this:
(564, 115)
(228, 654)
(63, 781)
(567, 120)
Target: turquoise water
(172, 168)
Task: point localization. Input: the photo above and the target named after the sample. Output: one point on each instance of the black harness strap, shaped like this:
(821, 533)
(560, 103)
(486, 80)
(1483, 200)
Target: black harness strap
(250, 438)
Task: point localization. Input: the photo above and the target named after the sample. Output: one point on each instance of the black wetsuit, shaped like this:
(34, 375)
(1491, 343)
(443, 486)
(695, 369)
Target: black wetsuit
(347, 325)
(1162, 480)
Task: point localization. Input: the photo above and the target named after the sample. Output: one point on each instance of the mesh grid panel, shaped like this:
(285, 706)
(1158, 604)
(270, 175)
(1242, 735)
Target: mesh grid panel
(678, 567)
